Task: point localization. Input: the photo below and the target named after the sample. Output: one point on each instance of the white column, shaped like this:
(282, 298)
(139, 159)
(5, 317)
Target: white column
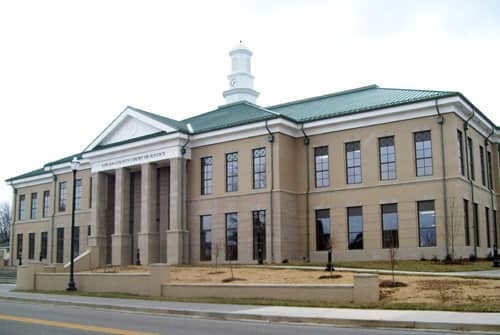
(121, 243)
(149, 237)
(98, 240)
(177, 235)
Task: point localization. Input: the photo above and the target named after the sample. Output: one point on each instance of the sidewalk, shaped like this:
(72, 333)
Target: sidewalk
(346, 317)
(489, 274)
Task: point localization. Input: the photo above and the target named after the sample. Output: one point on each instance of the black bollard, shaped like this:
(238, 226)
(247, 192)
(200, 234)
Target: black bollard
(138, 258)
(496, 259)
(329, 265)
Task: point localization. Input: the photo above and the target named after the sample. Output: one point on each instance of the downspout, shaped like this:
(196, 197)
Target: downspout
(490, 185)
(440, 121)
(270, 139)
(308, 232)
(183, 167)
(52, 217)
(12, 225)
(467, 154)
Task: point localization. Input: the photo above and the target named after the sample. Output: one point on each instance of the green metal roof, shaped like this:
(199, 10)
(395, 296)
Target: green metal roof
(230, 115)
(33, 173)
(353, 101)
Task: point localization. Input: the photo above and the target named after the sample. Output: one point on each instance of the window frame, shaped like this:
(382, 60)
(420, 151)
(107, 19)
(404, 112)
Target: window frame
(475, 223)
(425, 156)
(44, 236)
(206, 186)
(387, 163)
(78, 193)
(204, 245)
(466, 223)
(487, 223)
(470, 159)
(360, 244)
(31, 245)
(353, 167)
(46, 204)
(420, 228)
(232, 172)
(460, 145)
(321, 168)
(259, 226)
(22, 207)
(63, 194)
(386, 242)
(324, 240)
(482, 165)
(259, 169)
(33, 207)
(231, 251)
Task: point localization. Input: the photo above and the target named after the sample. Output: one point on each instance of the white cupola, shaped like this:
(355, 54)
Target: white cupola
(240, 80)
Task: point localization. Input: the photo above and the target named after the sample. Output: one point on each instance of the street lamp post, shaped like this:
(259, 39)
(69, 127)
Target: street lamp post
(75, 163)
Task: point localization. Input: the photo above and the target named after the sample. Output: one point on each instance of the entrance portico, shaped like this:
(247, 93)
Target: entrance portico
(138, 195)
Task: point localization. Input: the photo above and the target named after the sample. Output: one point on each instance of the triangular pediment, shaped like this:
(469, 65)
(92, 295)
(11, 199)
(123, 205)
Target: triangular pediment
(130, 124)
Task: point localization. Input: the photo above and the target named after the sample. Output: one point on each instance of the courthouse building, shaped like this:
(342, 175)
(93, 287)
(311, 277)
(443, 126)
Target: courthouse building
(358, 171)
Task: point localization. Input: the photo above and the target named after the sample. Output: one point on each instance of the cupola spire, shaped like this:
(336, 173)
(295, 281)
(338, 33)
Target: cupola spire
(241, 79)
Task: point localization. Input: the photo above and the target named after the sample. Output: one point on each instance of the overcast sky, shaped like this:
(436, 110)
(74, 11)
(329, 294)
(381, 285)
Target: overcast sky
(68, 68)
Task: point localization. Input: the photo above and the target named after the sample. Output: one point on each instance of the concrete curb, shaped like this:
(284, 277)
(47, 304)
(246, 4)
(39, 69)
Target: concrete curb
(278, 319)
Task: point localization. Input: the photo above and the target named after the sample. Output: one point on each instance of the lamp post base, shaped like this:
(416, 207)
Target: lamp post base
(71, 287)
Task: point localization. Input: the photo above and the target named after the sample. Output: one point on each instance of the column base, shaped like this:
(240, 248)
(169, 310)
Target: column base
(149, 243)
(177, 247)
(121, 250)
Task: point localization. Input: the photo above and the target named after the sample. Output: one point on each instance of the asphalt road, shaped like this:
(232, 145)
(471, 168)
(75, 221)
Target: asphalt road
(37, 319)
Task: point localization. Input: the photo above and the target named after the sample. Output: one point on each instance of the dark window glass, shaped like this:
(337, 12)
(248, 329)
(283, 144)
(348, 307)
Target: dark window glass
(323, 241)
(19, 246)
(487, 221)
(46, 203)
(495, 228)
(387, 154)
(321, 166)
(426, 224)
(232, 172)
(475, 222)
(62, 196)
(90, 192)
(34, 198)
(460, 152)
(483, 172)
(355, 227)
(43, 245)
(206, 175)
(78, 194)
(89, 230)
(60, 246)
(390, 236)
(490, 176)
(205, 237)
(76, 242)
(22, 206)
(353, 162)
(259, 234)
(470, 158)
(423, 153)
(231, 236)
(31, 246)
(466, 222)
(259, 168)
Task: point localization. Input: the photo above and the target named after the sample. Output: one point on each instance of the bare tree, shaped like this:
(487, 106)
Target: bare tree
(393, 256)
(5, 219)
(217, 249)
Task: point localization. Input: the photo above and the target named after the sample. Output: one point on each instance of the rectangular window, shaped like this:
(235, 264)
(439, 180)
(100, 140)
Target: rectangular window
(259, 234)
(460, 152)
(34, 198)
(321, 166)
(466, 222)
(78, 194)
(231, 236)
(423, 153)
(90, 192)
(470, 158)
(387, 154)
(43, 245)
(259, 168)
(390, 236)
(483, 172)
(46, 204)
(475, 222)
(353, 162)
(232, 172)
(487, 221)
(490, 173)
(22, 206)
(76, 242)
(19, 246)
(60, 246)
(323, 241)
(495, 228)
(205, 237)
(89, 230)
(355, 227)
(31, 246)
(206, 175)
(426, 223)
(62, 196)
